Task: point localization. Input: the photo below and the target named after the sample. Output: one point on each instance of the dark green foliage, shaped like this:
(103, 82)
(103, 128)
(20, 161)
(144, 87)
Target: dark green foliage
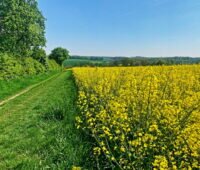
(39, 54)
(54, 114)
(22, 27)
(59, 55)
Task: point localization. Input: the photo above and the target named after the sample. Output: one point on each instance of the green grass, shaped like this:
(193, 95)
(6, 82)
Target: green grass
(37, 129)
(81, 62)
(10, 87)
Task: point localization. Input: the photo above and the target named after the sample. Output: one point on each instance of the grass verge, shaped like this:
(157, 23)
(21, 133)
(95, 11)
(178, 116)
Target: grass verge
(10, 87)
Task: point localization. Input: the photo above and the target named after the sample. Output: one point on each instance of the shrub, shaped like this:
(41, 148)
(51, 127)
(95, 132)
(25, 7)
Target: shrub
(52, 65)
(10, 67)
(32, 66)
(13, 67)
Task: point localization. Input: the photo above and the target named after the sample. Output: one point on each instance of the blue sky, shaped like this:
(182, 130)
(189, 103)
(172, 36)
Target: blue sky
(123, 27)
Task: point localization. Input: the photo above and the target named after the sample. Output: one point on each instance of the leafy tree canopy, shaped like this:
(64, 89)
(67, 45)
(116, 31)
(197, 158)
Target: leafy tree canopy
(22, 27)
(39, 54)
(59, 54)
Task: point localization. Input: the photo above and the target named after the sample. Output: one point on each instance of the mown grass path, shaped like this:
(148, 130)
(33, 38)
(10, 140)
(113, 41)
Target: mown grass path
(15, 86)
(37, 128)
(24, 91)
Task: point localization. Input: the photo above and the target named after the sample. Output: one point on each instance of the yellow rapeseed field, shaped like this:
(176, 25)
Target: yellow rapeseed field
(141, 117)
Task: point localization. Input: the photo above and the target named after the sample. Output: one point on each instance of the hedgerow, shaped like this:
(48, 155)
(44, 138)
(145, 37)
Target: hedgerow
(52, 65)
(12, 67)
(32, 66)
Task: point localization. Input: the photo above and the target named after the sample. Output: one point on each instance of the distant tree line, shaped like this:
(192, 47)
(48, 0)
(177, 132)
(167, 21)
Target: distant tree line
(103, 61)
(145, 61)
(95, 58)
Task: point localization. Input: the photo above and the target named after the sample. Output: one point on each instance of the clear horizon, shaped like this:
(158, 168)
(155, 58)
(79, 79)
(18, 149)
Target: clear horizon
(151, 28)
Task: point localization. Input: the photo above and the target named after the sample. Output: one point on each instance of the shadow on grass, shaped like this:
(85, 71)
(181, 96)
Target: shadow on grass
(56, 113)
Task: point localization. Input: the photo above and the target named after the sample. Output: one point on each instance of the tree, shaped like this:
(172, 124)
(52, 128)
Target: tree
(22, 27)
(59, 54)
(39, 54)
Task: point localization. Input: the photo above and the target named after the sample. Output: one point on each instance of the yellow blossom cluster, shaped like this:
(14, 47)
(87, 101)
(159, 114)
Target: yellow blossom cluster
(142, 117)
